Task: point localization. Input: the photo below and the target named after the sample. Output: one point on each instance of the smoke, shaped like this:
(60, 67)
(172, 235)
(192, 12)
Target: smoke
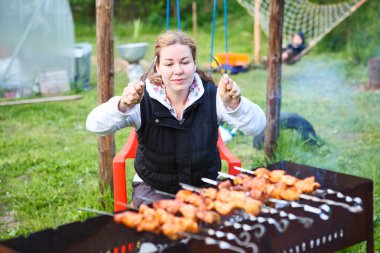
(318, 90)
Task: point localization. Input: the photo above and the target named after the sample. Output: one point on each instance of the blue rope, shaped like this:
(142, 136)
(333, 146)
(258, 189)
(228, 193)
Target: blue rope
(179, 15)
(226, 29)
(212, 33)
(167, 14)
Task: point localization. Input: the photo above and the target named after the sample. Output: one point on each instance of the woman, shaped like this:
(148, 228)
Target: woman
(176, 115)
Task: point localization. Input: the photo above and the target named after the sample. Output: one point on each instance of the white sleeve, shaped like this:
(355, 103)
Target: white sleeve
(106, 118)
(247, 117)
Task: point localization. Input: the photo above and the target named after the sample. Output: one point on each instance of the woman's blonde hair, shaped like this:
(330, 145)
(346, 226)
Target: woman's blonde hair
(172, 37)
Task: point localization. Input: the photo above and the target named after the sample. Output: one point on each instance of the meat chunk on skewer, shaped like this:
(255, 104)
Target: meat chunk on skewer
(208, 193)
(190, 197)
(169, 205)
(241, 178)
(307, 185)
(148, 219)
(174, 206)
(128, 218)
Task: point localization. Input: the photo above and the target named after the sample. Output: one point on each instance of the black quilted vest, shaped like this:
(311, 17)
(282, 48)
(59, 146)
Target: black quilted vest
(172, 151)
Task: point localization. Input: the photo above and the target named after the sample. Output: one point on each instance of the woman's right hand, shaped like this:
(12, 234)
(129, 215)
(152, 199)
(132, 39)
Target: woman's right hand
(132, 95)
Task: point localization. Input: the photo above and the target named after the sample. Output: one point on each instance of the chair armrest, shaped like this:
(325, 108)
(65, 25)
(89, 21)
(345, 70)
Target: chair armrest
(225, 154)
(119, 171)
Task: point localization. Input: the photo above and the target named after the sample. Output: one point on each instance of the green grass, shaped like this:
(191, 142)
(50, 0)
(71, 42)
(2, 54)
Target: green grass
(49, 161)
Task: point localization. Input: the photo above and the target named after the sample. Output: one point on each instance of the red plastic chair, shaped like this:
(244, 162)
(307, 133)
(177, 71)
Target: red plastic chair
(129, 151)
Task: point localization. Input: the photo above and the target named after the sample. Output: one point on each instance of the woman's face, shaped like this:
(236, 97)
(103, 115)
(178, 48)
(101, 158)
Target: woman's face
(176, 67)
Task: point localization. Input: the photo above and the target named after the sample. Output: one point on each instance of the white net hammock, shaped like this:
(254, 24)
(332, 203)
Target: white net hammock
(314, 20)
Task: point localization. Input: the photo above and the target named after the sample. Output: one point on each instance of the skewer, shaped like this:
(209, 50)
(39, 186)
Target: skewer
(221, 244)
(320, 211)
(228, 235)
(281, 227)
(90, 210)
(323, 192)
(245, 243)
(245, 227)
(306, 221)
(129, 206)
(210, 231)
(353, 209)
(348, 199)
(208, 240)
(244, 170)
(260, 229)
(171, 195)
(160, 229)
(190, 187)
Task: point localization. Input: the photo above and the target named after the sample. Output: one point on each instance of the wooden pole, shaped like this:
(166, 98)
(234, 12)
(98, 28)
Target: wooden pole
(256, 33)
(272, 129)
(40, 100)
(194, 7)
(104, 41)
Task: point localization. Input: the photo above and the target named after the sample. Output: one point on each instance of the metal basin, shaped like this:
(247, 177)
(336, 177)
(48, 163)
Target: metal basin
(133, 52)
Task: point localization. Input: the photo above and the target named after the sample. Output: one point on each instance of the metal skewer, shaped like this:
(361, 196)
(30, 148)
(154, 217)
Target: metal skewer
(258, 234)
(244, 170)
(96, 211)
(306, 221)
(217, 64)
(228, 235)
(218, 234)
(323, 192)
(281, 227)
(348, 199)
(221, 244)
(323, 211)
(353, 209)
(170, 195)
(146, 75)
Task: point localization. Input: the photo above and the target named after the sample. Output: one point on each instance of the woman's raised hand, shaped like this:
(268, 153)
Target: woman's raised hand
(229, 92)
(132, 94)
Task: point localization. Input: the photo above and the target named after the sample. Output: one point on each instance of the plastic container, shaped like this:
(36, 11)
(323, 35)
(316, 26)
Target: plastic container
(233, 59)
(231, 63)
(82, 54)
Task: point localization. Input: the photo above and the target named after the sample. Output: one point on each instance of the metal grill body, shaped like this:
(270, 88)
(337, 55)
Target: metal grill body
(343, 229)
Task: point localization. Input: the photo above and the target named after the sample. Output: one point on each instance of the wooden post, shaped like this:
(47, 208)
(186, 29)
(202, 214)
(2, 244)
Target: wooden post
(374, 73)
(104, 41)
(256, 33)
(194, 7)
(272, 130)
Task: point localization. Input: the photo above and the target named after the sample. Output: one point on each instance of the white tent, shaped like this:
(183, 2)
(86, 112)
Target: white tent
(36, 42)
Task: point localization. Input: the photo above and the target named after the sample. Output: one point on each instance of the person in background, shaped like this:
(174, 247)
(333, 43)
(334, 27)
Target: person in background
(176, 114)
(294, 48)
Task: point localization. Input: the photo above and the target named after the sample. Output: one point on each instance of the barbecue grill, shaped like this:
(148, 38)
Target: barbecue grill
(236, 233)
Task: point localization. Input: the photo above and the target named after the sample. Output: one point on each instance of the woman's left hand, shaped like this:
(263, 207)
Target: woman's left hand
(229, 92)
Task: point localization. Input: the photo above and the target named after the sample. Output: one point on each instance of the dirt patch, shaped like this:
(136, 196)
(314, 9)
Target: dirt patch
(8, 221)
(8, 217)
